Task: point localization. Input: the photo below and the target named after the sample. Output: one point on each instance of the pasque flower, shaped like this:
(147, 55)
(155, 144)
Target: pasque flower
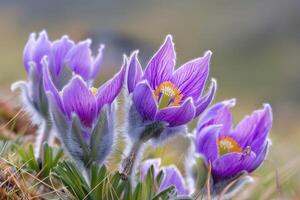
(162, 95)
(171, 175)
(162, 100)
(64, 58)
(84, 116)
(233, 150)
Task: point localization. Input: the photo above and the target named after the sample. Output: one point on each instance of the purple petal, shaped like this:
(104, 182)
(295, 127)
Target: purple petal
(78, 98)
(145, 166)
(206, 142)
(231, 164)
(42, 48)
(110, 90)
(79, 59)
(262, 130)
(218, 114)
(57, 55)
(144, 101)
(204, 102)
(172, 176)
(49, 86)
(135, 72)
(28, 51)
(177, 115)
(260, 157)
(161, 65)
(97, 63)
(190, 78)
(253, 130)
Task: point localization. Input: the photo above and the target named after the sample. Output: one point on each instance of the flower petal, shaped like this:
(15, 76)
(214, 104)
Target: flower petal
(78, 98)
(190, 78)
(253, 130)
(260, 157)
(231, 164)
(144, 101)
(161, 65)
(172, 176)
(110, 90)
(57, 55)
(79, 59)
(177, 115)
(28, 51)
(206, 142)
(218, 114)
(135, 72)
(262, 130)
(42, 48)
(97, 63)
(204, 102)
(49, 86)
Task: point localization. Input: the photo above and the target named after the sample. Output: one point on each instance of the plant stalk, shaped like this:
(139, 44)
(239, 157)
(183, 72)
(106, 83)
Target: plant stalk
(42, 137)
(130, 161)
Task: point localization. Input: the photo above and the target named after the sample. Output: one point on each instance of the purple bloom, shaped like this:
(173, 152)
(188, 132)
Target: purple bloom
(63, 57)
(84, 115)
(162, 94)
(233, 150)
(171, 175)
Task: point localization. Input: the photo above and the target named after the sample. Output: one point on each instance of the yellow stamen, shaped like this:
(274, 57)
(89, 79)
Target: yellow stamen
(166, 92)
(228, 145)
(94, 90)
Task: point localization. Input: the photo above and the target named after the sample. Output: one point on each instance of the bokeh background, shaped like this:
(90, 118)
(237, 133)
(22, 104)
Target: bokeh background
(256, 58)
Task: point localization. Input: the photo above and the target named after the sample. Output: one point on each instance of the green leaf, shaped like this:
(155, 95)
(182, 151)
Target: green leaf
(149, 182)
(72, 179)
(5, 146)
(138, 192)
(159, 177)
(165, 194)
(128, 190)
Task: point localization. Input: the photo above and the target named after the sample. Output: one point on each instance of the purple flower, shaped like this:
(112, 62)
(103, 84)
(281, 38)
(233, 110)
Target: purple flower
(171, 175)
(84, 115)
(160, 94)
(64, 58)
(233, 150)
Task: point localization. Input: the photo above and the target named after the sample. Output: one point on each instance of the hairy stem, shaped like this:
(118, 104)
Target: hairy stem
(128, 164)
(43, 136)
(130, 161)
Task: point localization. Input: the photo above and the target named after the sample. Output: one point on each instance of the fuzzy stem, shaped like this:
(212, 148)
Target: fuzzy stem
(43, 136)
(152, 130)
(130, 161)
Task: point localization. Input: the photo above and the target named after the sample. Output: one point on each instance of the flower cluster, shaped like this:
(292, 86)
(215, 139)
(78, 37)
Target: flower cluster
(64, 59)
(160, 102)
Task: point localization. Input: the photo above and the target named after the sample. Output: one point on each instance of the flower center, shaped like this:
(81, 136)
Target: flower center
(167, 94)
(94, 90)
(228, 145)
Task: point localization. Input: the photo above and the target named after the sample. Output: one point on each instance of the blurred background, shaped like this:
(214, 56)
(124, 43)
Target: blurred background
(256, 58)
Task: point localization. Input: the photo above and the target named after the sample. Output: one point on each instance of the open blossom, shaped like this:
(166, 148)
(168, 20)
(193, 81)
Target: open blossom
(233, 150)
(84, 116)
(164, 96)
(64, 59)
(171, 175)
